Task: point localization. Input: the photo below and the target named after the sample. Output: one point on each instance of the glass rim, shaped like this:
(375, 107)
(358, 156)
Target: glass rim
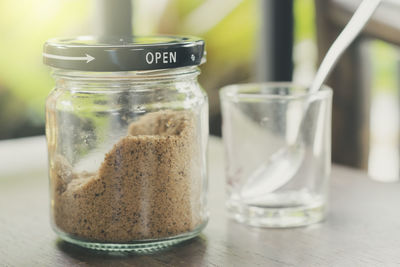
(232, 91)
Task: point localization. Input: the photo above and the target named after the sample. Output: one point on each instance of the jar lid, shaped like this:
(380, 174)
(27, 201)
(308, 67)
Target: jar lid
(88, 53)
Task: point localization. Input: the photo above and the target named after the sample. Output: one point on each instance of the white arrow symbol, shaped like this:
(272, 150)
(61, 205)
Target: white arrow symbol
(88, 58)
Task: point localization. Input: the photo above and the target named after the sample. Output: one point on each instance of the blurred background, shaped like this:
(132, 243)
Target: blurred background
(246, 40)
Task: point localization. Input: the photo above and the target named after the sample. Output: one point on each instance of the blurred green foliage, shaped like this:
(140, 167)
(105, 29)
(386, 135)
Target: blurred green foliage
(304, 16)
(26, 24)
(385, 67)
(24, 81)
(230, 28)
(24, 27)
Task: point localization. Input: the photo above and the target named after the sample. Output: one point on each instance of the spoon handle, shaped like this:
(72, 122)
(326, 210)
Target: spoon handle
(349, 33)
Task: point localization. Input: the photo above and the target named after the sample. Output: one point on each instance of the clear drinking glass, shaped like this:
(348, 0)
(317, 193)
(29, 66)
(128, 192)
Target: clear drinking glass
(277, 139)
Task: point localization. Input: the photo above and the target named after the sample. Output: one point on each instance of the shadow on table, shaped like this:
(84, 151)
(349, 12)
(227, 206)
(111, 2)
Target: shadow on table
(183, 254)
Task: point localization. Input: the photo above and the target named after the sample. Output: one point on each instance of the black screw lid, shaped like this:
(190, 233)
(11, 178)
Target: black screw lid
(89, 53)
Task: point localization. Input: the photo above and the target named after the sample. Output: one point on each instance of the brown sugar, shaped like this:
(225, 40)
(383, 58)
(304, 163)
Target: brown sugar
(148, 186)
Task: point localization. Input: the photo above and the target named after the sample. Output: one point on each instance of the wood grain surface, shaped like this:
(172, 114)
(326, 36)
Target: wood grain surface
(362, 229)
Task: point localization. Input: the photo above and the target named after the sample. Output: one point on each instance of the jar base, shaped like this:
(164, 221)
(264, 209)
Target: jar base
(143, 246)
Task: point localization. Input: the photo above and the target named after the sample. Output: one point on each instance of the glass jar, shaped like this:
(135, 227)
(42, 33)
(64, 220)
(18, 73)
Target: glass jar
(127, 129)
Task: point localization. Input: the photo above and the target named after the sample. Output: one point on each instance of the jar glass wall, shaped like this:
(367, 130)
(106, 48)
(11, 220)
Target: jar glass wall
(127, 161)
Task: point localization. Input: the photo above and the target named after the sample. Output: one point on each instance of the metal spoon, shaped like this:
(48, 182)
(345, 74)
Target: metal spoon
(281, 167)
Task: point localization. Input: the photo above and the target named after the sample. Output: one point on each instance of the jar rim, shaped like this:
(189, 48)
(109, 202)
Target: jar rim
(148, 75)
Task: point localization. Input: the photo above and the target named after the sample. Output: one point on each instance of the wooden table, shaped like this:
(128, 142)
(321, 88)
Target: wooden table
(362, 229)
